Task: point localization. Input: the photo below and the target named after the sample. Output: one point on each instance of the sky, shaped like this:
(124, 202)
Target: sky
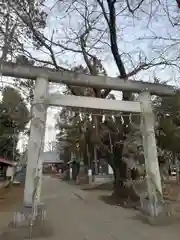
(65, 23)
(129, 29)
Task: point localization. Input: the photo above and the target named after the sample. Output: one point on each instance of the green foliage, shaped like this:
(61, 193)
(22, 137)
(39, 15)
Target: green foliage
(106, 137)
(168, 131)
(14, 116)
(82, 132)
(15, 107)
(26, 85)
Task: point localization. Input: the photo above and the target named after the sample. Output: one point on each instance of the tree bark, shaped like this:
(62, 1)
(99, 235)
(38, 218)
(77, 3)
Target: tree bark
(121, 191)
(75, 170)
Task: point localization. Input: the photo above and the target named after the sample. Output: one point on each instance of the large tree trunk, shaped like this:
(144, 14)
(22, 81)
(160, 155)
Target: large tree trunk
(122, 192)
(75, 170)
(119, 172)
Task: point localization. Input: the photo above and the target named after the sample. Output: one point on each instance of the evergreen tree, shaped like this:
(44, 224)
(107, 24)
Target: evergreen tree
(14, 116)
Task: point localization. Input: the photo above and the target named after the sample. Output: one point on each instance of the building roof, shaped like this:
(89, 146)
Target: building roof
(6, 161)
(51, 157)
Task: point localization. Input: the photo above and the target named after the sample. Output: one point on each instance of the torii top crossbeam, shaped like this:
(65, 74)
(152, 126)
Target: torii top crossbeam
(77, 79)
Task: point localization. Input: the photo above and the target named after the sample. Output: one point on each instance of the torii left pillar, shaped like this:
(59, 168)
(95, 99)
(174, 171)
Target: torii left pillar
(32, 214)
(36, 143)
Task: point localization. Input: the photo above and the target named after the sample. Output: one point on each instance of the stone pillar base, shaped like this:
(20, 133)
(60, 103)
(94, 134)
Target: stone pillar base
(23, 227)
(153, 209)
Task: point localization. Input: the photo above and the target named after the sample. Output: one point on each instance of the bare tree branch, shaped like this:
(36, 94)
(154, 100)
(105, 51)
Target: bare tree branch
(134, 9)
(113, 35)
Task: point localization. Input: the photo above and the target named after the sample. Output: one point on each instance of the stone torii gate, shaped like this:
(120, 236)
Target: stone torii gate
(42, 99)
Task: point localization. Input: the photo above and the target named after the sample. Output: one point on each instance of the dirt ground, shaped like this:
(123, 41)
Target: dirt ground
(84, 215)
(172, 190)
(10, 198)
(81, 215)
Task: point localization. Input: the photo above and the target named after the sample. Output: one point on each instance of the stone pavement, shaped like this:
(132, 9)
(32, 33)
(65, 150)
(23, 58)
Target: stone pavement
(79, 215)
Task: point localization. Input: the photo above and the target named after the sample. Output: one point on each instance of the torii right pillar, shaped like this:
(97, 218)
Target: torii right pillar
(150, 155)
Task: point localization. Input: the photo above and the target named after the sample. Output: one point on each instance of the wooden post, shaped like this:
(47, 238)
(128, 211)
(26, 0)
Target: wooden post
(150, 152)
(95, 161)
(36, 142)
(70, 172)
(90, 176)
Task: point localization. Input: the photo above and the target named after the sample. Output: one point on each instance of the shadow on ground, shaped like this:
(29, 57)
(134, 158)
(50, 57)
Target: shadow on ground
(109, 199)
(95, 186)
